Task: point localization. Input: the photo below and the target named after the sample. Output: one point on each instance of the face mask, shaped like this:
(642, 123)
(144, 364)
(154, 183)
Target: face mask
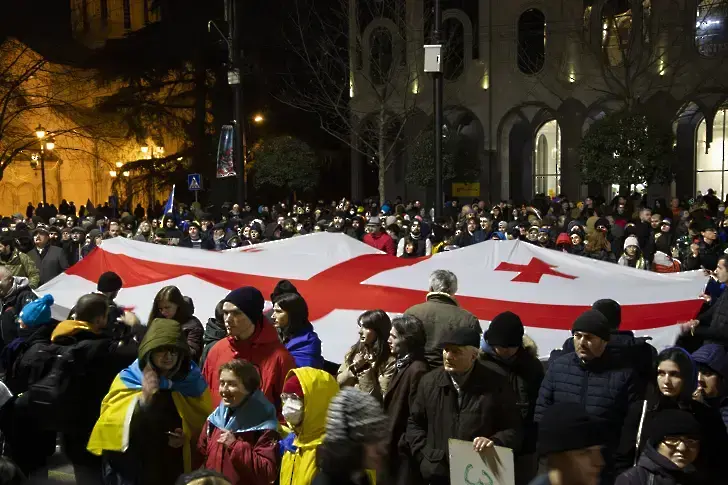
(293, 411)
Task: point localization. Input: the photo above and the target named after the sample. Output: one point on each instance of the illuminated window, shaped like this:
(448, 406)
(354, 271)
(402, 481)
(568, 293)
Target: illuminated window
(711, 169)
(616, 31)
(547, 160)
(531, 41)
(711, 36)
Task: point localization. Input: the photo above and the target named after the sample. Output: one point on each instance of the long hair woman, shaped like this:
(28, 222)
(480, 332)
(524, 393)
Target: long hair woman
(169, 303)
(290, 317)
(369, 365)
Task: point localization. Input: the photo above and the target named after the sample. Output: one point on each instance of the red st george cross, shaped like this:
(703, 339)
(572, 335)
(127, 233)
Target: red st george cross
(533, 271)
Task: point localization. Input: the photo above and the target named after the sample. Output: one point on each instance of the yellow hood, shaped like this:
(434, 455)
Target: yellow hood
(319, 388)
(70, 327)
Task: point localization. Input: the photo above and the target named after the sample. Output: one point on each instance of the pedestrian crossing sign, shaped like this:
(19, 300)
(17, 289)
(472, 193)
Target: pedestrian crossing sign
(194, 182)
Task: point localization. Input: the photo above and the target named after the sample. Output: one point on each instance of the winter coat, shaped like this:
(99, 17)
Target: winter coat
(298, 449)
(484, 406)
(305, 347)
(525, 374)
(10, 307)
(52, 263)
(193, 333)
(323, 478)
(205, 242)
(708, 256)
(605, 387)
(252, 458)
(714, 322)
(381, 241)
(20, 264)
(264, 350)
(398, 401)
(654, 469)
(439, 314)
(368, 380)
(214, 332)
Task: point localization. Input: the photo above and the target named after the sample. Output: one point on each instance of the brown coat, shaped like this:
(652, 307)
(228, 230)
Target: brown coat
(397, 401)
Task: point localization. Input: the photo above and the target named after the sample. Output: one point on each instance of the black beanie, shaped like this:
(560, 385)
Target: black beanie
(593, 322)
(249, 301)
(109, 282)
(566, 427)
(283, 287)
(672, 422)
(611, 310)
(505, 330)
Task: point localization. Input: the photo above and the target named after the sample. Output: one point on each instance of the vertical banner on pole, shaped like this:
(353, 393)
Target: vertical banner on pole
(225, 156)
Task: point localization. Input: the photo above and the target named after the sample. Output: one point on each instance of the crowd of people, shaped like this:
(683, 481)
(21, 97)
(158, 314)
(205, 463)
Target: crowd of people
(248, 397)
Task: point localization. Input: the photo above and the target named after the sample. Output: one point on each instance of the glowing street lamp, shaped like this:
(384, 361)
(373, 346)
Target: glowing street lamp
(119, 164)
(40, 132)
(258, 119)
(45, 144)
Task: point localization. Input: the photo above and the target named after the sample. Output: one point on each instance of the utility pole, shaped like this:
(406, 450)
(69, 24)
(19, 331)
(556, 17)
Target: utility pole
(235, 80)
(437, 77)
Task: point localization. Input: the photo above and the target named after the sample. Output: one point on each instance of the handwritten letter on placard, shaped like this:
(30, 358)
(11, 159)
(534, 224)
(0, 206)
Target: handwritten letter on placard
(468, 467)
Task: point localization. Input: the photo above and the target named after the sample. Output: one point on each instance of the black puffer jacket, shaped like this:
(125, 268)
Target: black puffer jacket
(484, 406)
(214, 331)
(655, 469)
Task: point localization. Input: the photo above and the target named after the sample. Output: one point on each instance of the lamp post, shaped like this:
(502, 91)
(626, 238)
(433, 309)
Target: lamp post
(437, 39)
(46, 143)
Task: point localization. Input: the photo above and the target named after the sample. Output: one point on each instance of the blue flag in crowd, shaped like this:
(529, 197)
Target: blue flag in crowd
(169, 206)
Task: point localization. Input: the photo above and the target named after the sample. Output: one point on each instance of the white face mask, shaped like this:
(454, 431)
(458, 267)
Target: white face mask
(293, 411)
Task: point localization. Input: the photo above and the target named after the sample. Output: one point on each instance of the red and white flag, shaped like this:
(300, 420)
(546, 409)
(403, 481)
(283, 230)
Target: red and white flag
(340, 278)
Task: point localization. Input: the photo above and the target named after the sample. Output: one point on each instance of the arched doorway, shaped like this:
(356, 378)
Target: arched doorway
(547, 159)
(710, 158)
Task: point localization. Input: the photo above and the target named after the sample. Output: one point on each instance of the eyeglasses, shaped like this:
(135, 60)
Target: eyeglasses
(674, 441)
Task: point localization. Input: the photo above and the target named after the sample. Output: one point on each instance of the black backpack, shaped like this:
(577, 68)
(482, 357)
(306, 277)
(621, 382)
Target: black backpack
(55, 394)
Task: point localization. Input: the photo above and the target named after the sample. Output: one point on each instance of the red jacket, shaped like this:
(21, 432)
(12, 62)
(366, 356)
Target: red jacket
(262, 349)
(382, 241)
(251, 460)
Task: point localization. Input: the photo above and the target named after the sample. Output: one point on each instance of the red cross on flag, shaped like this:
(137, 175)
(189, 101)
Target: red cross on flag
(340, 277)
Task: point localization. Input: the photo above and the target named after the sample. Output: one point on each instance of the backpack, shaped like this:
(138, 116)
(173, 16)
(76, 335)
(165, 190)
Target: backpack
(56, 385)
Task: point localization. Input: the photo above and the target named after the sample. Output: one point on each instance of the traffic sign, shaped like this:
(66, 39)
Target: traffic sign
(194, 182)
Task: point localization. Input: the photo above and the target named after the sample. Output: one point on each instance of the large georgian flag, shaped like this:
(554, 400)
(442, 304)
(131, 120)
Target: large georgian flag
(340, 278)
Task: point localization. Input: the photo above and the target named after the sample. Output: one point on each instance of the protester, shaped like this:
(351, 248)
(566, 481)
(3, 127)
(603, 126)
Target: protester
(368, 365)
(18, 263)
(407, 344)
(169, 303)
(50, 260)
(461, 400)
(290, 317)
(15, 293)
(673, 446)
(154, 410)
(509, 352)
(712, 362)
(214, 332)
(306, 397)
(240, 436)
(377, 238)
(250, 337)
(440, 313)
(571, 441)
(203, 477)
(353, 446)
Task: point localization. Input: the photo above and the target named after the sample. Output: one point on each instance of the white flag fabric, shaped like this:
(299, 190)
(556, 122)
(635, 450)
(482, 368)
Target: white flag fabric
(340, 278)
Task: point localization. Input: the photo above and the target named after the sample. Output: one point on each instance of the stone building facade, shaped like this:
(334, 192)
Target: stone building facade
(525, 79)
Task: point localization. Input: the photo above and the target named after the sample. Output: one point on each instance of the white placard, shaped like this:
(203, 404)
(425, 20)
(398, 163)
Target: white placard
(494, 466)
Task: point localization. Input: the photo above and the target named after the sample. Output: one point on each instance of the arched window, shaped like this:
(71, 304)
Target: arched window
(454, 42)
(711, 27)
(711, 169)
(531, 41)
(380, 50)
(616, 31)
(547, 160)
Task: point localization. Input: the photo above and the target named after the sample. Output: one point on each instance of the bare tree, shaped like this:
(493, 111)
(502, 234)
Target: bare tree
(361, 81)
(31, 88)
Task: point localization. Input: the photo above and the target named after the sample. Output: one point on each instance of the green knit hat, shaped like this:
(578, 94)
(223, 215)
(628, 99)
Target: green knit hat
(162, 332)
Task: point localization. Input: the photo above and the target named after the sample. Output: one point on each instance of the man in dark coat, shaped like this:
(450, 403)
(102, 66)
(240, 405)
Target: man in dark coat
(441, 313)
(461, 400)
(407, 343)
(593, 378)
(50, 260)
(504, 350)
(705, 254)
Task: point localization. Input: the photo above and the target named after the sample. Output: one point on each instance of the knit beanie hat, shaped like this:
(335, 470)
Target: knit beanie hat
(505, 330)
(282, 287)
(611, 310)
(37, 312)
(593, 322)
(293, 386)
(672, 422)
(162, 332)
(713, 356)
(631, 241)
(109, 282)
(566, 427)
(7, 239)
(355, 417)
(249, 301)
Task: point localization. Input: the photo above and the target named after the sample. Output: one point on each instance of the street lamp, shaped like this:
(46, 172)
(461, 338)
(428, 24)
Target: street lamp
(258, 119)
(112, 173)
(119, 164)
(45, 144)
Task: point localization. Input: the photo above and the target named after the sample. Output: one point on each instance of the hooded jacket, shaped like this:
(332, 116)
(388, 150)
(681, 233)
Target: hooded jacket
(214, 332)
(262, 349)
(20, 264)
(298, 465)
